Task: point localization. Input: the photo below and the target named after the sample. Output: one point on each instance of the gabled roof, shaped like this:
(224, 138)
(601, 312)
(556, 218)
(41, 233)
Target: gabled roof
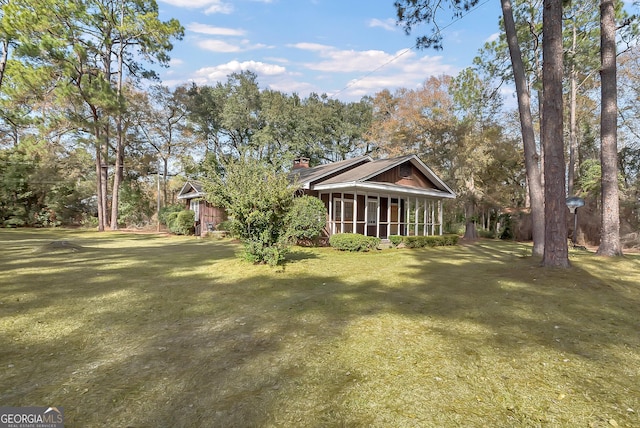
(191, 190)
(359, 175)
(369, 170)
(307, 176)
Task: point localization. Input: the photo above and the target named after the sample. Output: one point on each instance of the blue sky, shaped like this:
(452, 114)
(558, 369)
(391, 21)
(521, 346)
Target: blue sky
(346, 49)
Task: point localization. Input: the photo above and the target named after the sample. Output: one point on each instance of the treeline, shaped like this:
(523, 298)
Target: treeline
(88, 134)
(456, 125)
(168, 135)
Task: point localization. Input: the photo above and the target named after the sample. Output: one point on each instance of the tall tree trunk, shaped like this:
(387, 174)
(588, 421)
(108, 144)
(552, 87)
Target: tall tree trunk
(101, 170)
(100, 200)
(556, 251)
(105, 177)
(165, 176)
(470, 232)
(573, 129)
(119, 172)
(528, 137)
(610, 222)
(118, 175)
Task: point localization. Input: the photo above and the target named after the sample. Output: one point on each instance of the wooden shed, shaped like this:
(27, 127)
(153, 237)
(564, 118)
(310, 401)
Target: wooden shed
(207, 216)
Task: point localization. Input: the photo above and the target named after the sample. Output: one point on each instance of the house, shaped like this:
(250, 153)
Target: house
(399, 196)
(207, 216)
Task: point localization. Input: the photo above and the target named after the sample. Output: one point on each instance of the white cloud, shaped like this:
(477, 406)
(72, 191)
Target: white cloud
(214, 31)
(492, 38)
(351, 61)
(388, 24)
(175, 62)
(312, 47)
(336, 60)
(212, 6)
(219, 73)
(225, 8)
(218, 46)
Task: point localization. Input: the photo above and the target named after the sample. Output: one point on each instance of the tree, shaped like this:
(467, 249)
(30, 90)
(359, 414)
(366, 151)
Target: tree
(412, 12)
(306, 219)
(84, 42)
(452, 125)
(237, 119)
(480, 143)
(159, 116)
(556, 252)
(257, 199)
(610, 226)
(581, 65)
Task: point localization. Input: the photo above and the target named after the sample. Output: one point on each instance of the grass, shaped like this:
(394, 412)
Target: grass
(151, 331)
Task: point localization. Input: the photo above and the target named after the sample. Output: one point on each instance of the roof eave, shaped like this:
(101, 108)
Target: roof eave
(192, 195)
(356, 185)
(307, 183)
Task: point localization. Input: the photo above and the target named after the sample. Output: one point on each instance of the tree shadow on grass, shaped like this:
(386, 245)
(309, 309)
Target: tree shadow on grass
(182, 345)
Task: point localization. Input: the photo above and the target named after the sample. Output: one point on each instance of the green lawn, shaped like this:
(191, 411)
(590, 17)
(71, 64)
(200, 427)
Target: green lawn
(130, 330)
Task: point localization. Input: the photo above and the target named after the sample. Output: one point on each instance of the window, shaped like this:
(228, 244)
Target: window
(194, 205)
(345, 205)
(372, 212)
(405, 170)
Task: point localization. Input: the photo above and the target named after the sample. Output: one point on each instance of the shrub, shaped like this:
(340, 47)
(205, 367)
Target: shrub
(486, 233)
(226, 226)
(353, 242)
(306, 219)
(450, 239)
(257, 251)
(166, 212)
(396, 239)
(181, 223)
(258, 199)
(428, 241)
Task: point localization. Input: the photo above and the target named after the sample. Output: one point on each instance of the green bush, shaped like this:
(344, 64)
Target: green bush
(486, 233)
(353, 242)
(257, 251)
(306, 219)
(226, 226)
(396, 239)
(257, 199)
(427, 241)
(181, 223)
(168, 211)
(450, 239)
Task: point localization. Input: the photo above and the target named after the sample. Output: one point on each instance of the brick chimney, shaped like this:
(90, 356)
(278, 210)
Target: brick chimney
(300, 162)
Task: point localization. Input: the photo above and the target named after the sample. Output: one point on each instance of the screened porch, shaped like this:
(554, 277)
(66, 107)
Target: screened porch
(382, 215)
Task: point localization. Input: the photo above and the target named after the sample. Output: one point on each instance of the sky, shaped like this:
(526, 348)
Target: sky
(346, 49)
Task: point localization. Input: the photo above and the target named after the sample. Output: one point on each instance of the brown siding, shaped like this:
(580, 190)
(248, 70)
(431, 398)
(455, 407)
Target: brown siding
(360, 213)
(414, 179)
(210, 217)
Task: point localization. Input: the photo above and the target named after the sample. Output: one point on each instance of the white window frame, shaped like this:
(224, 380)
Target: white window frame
(194, 205)
(339, 211)
(372, 211)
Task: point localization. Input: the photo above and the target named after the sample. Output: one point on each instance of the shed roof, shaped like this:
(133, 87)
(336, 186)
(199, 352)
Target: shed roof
(190, 190)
